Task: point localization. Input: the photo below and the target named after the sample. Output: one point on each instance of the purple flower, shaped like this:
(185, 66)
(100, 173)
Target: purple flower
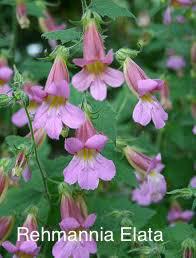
(175, 62)
(74, 220)
(96, 73)
(36, 95)
(55, 109)
(88, 165)
(148, 108)
(24, 247)
(167, 18)
(152, 185)
(177, 214)
(193, 182)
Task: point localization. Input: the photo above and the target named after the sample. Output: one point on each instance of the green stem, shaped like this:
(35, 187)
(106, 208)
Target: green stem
(43, 173)
(84, 6)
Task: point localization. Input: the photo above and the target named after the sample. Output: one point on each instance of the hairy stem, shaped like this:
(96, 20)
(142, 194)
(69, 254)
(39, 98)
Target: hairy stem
(43, 173)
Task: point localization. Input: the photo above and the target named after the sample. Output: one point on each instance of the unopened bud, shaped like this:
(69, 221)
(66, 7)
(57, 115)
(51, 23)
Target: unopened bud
(6, 225)
(5, 100)
(189, 248)
(18, 79)
(123, 53)
(4, 183)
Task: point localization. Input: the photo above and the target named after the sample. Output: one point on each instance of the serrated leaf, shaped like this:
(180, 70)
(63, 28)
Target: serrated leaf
(63, 35)
(110, 8)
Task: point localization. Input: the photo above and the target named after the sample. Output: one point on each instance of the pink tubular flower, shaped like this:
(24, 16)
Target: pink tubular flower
(47, 23)
(56, 110)
(167, 18)
(175, 63)
(193, 182)
(95, 72)
(73, 219)
(4, 184)
(148, 106)
(6, 224)
(5, 76)
(176, 214)
(88, 165)
(21, 14)
(152, 185)
(24, 247)
(36, 95)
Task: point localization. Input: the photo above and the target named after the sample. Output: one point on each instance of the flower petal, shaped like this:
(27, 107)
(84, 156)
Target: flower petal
(96, 142)
(146, 86)
(72, 170)
(82, 80)
(73, 145)
(105, 168)
(27, 174)
(113, 77)
(90, 220)
(63, 248)
(142, 113)
(98, 89)
(20, 118)
(60, 88)
(29, 247)
(69, 224)
(54, 124)
(72, 116)
(108, 59)
(9, 247)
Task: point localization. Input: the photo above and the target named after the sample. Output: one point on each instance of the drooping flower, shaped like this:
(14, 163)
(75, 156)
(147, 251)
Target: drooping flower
(88, 165)
(24, 247)
(177, 214)
(193, 182)
(167, 17)
(96, 73)
(47, 23)
(5, 76)
(4, 184)
(55, 109)
(36, 95)
(6, 224)
(21, 14)
(165, 97)
(148, 106)
(22, 163)
(176, 63)
(74, 219)
(152, 185)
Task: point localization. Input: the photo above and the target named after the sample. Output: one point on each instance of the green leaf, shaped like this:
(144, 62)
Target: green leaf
(35, 9)
(110, 8)
(63, 35)
(18, 142)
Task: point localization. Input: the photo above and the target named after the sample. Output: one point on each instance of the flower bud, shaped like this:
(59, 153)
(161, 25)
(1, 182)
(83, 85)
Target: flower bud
(189, 248)
(21, 14)
(5, 100)
(123, 53)
(4, 183)
(6, 224)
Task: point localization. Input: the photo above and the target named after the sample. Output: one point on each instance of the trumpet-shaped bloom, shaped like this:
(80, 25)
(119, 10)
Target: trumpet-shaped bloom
(24, 247)
(6, 224)
(148, 108)
(21, 14)
(55, 109)
(36, 95)
(96, 73)
(47, 23)
(177, 214)
(88, 165)
(74, 220)
(152, 185)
